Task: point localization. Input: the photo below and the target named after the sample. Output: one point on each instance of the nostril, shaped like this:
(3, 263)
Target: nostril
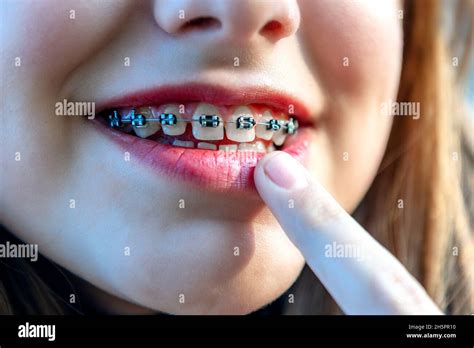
(272, 28)
(201, 23)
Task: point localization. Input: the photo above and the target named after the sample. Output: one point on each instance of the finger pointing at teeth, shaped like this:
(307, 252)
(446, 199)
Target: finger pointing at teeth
(359, 273)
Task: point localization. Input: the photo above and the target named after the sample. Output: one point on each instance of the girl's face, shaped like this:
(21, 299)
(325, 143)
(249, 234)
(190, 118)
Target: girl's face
(166, 227)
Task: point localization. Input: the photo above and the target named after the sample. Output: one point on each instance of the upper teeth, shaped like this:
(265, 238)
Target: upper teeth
(204, 132)
(169, 120)
(142, 128)
(207, 123)
(236, 129)
(265, 131)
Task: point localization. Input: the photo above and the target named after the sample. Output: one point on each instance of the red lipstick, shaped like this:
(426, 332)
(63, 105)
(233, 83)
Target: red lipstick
(208, 169)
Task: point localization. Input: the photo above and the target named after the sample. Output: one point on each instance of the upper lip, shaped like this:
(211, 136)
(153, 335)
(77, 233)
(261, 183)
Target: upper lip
(212, 94)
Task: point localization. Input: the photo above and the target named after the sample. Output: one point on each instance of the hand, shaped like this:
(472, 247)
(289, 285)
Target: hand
(360, 274)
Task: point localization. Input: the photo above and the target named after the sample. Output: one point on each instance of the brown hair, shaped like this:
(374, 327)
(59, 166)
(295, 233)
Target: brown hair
(415, 206)
(422, 169)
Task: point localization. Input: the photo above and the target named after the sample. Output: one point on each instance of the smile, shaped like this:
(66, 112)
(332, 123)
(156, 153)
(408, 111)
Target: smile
(244, 125)
(205, 135)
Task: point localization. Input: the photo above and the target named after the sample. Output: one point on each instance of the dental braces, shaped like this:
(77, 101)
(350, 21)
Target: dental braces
(212, 121)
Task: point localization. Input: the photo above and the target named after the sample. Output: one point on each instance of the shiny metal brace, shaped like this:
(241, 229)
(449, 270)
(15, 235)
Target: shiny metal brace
(212, 121)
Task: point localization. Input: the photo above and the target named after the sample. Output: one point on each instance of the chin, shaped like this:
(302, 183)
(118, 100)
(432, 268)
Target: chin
(216, 284)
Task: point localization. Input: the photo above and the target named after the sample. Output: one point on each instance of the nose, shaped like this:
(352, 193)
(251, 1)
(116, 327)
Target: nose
(233, 20)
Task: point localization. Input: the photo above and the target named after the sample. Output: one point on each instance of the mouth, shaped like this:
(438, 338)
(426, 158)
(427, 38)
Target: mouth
(209, 136)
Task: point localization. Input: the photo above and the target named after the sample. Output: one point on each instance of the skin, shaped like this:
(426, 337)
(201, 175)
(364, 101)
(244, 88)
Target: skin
(379, 283)
(122, 204)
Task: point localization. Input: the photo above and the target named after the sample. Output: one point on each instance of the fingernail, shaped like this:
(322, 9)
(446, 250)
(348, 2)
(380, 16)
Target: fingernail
(285, 171)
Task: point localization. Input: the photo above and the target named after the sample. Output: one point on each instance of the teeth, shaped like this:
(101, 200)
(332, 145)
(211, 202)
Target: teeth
(239, 135)
(208, 125)
(279, 137)
(229, 148)
(126, 114)
(177, 129)
(151, 128)
(207, 146)
(271, 148)
(248, 147)
(260, 147)
(255, 147)
(207, 133)
(181, 143)
(261, 129)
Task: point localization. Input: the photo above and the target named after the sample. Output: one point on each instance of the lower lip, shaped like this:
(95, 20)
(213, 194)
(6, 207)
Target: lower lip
(208, 169)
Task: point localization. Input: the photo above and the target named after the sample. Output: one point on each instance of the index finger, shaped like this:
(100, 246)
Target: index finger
(360, 274)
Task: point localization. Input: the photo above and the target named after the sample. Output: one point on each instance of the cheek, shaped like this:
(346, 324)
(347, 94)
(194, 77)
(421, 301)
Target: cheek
(353, 46)
(356, 58)
(48, 39)
(52, 37)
